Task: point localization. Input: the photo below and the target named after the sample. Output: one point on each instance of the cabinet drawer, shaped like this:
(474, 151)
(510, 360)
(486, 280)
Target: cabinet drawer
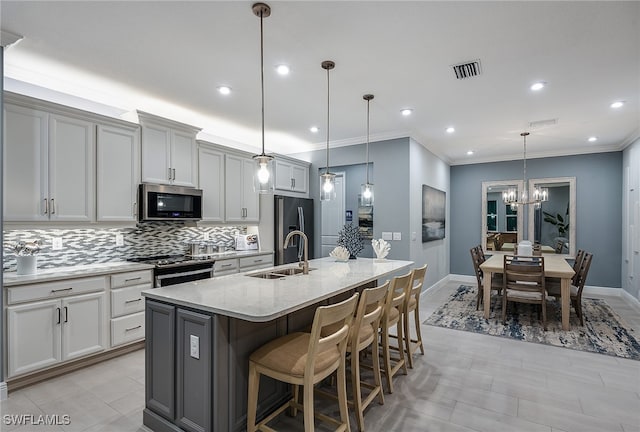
(127, 329)
(131, 278)
(128, 300)
(260, 260)
(225, 265)
(63, 288)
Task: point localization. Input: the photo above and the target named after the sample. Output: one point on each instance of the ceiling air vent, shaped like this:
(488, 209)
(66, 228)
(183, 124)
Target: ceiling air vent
(467, 70)
(543, 123)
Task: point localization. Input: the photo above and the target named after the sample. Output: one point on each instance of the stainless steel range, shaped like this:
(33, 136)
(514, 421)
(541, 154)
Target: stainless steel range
(175, 269)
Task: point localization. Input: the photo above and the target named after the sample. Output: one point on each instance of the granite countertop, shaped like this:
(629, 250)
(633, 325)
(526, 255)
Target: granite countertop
(59, 273)
(261, 300)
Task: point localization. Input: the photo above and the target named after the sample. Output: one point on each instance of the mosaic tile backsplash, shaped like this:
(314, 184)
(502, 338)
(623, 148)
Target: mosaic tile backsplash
(98, 245)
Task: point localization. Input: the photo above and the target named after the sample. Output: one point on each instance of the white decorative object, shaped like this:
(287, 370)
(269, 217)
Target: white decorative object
(26, 264)
(381, 248)
(340, 253)
(525, 248)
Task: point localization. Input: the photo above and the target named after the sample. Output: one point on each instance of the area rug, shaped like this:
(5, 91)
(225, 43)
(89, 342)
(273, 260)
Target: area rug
(604, 332)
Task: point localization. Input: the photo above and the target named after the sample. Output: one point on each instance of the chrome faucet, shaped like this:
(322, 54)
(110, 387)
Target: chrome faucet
(305, 265)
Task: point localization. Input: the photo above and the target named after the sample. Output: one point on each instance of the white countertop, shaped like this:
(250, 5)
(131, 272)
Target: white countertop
(259, 300)
(59, 273)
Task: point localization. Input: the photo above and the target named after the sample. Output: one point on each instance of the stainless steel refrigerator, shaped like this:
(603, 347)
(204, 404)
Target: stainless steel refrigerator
(292, 214)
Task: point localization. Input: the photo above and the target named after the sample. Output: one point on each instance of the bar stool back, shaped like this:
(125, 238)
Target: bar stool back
(412, 304)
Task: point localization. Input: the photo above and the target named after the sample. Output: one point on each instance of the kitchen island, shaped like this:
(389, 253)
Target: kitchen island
(199, 337)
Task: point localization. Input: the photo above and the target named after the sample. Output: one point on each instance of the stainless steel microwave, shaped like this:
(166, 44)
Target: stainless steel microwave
(166, 202)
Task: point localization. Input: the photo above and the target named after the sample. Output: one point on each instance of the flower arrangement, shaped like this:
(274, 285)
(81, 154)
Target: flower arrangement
(28, 248)
(351, 239)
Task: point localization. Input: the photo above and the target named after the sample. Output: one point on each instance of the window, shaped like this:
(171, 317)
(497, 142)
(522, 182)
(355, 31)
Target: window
(512, 218)
(492, 215)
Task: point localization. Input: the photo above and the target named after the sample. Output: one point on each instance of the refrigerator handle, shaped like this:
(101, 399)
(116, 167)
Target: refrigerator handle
(301, 227)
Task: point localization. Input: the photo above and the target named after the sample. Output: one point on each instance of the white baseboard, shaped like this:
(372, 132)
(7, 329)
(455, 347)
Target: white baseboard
(463, 278)
(442, 282)
(3, 391)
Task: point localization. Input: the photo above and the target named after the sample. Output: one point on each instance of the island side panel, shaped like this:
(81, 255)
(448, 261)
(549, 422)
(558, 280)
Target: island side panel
(193, 371)
(159, 359)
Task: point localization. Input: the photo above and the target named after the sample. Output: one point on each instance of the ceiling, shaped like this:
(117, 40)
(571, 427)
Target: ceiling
(168, 58)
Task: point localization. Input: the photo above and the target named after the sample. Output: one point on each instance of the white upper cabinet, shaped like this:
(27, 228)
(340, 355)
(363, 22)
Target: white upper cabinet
(211, 181)
(117, 173)
(168, 151)
(242, 203)
(48, 166)
(290, 176)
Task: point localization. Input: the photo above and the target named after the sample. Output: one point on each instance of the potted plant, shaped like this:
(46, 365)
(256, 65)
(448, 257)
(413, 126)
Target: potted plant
(558, 221)
(26, 259)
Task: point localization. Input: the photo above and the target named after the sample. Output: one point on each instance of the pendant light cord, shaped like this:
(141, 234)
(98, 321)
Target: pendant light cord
(367, 167)
(524, 175)
(262, 76)
(327, 168)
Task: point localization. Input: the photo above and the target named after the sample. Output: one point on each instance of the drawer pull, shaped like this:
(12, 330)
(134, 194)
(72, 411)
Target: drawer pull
(133, 328)
(133, 301)
(226, 265)
(61, 290)
(132, 279)
(257, 261)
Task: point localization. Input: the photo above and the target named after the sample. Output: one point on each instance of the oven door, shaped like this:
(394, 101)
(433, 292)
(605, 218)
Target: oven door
(182, 275)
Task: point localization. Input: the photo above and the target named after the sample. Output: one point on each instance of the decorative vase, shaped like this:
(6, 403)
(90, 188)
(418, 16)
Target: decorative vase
(26, 264)
(352, 256)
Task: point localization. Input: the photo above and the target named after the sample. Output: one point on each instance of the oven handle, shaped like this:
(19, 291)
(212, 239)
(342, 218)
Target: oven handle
(189, 273)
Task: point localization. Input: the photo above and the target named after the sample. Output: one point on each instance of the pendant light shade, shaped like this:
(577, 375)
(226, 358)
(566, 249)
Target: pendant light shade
(263, 176)
(327, 179)
(366, 190)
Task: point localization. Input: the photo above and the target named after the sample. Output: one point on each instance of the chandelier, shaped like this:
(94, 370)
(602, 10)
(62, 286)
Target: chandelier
(511, 196)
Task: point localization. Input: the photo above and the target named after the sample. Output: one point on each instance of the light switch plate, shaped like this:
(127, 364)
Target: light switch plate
(56, 243)
(387, 236)
(397, 236)
(195, 347)
(119, 239)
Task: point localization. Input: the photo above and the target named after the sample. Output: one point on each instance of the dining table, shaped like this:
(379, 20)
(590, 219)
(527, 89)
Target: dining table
(554, 266)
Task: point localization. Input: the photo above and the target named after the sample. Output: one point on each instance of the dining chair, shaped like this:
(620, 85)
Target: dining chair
(392, 317)
(559, 246)
(412, 304)
(524, 282)
(577, 284)
(553, 283)
(478, 257)
(305, 359)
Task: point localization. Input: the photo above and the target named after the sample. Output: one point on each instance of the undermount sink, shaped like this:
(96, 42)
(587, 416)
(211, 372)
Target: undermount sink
(278, 273)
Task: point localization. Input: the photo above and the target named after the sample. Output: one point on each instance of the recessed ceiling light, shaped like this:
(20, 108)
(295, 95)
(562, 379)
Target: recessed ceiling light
(406, 111)
(470, 152)
(314, 129)
(450, 129)
(224, 90)
(617, 104)
(283, 69)
(538, 85)
(593, 139)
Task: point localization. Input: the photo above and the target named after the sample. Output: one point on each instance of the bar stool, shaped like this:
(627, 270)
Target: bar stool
(392, 316)
(305, 359)
(364, 334)
(412, 304)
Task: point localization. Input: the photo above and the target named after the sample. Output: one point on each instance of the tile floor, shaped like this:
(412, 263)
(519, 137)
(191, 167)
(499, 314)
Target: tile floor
(465, 382)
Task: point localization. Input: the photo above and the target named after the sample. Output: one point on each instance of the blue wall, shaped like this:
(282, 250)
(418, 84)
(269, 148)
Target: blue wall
(598, 207)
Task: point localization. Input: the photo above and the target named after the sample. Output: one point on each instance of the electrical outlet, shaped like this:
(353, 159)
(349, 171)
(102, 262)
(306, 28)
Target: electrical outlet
(119, 239)
(206, 235)
(387, 235)
(397, 236)
(195, 346)
(56, 243)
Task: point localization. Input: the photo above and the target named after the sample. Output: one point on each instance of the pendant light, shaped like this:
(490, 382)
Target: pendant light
(328, 179)
(366, 190)
(511, 197)
(263, 176)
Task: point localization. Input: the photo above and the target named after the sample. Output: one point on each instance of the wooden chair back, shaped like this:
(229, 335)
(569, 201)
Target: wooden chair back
(524, 273)
(369, 312)
(576, 266)
(581, 274)
(339, 318)
(477, 260)
(559, 246)
(417, 281)
(398, 291)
